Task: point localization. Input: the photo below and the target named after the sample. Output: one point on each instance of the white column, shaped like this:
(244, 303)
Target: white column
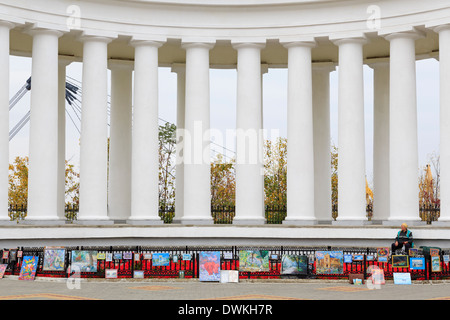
(249, 137)
(145, 150)
(444, 65)
(381, 192)
(351, 172)
(63, 63)
(403, 144)
(119, 182)
(197, 164)
(300, 153)
(5, 27)
(43, 153)
(180, 70)
(322, 141)
(93, 146)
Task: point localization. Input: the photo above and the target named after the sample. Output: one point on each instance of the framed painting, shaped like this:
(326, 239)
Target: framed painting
(19, 254)
(111, 274)
(416, 263)
(5, 255)
(435, 264)
(358, 257)
(209, 265)
(137, 257)
(147, 256)
(2, 270)
(138, 274)
(84, 260)
(29, 267)
(369, 257)
(446, 258)
(101, 256)
(228, 255)
(348, 258)
(413, 252)
(108, 257)
(402, 278)
(128, 255)
(161, 259)
(254, 261)
(54, 259)
(434, 252)
(378, 276)
(175, 258)
(330, 262)
(117, 255)
(294, 264)
(186, 257)
(382, 254)
(400, 261)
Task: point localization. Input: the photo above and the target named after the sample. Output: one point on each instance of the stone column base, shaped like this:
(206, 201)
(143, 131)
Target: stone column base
(351, 223)
(249, 222)
(144, 222)
(298, 222)
(94, 222)
(49, 222)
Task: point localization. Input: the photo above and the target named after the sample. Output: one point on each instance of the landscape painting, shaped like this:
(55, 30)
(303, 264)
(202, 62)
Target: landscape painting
(161, 259)
(400, 261)
(294, 264)
(435, 264)
(54, 259)
(254, 261)
(85, 261)
(416, 263)
(329, 262)
(2, 270)
(29, 267)
(209, 266)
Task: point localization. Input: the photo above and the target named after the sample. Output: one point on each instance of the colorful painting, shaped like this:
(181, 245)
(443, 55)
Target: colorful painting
(101, 256)
(378, 276)
(117, 255)
(382, 254)
(19, 254)
(29, 267)
(5, 255)
(138, 274)
(54, 259)
(348, 258)
(109, 257)
(446, 258)
(400, 261)
(111, 273)
(330, 262)
(294, 264)
(137, 257)
(434, 252)
(228, 255)
(127, 255)
(358, 257)
(186, 257)
(402, 278)
(416, 263)
(413, 252)
(86, 261)
(369, 257)
(161, 259)
(147, 256)
(435, 264)
(2, 270)
(209, 266)
(175, 259)
(254, 261)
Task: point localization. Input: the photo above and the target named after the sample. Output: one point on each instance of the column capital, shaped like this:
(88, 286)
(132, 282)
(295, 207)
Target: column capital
(240, 45)
(324, 66)
(412, 34)
(295, 44)
(64, 61)
(378, 62)
(150, 43)
(32, 31)
(7, 24)
(93, 38)
(355, 40)
(440, 28)
(178, 67)
(194, 44)
(116, 64)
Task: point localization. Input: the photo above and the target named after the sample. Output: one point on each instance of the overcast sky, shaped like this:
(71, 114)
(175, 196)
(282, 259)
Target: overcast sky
(223, 106)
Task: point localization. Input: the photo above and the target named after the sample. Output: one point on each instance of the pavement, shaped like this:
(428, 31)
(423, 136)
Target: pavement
(191, 289)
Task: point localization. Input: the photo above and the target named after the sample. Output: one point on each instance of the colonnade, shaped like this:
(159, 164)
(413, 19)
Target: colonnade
(127, 191)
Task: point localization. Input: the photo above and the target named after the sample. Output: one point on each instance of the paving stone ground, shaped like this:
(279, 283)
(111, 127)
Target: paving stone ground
(184, 289)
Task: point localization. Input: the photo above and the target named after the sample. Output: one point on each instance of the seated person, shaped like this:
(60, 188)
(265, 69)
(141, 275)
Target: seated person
(404, 238)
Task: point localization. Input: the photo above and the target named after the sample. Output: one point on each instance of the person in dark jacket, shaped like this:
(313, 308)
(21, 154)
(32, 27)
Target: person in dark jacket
(404, 238)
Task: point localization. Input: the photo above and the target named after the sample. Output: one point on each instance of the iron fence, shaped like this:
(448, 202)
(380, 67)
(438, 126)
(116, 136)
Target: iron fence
(186, 259)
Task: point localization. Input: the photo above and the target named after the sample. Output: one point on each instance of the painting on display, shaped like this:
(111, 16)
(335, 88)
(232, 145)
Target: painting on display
(348, 258)
(29, 267)
(2, 270)
(127, 255)
(294, 264)
(86, 261)
(5, 255)
(101, 256)
(330, 262)
(435, 264)
(413, 252)
(209, 265)
(434, 252)
(254, 261)
(186, 257)
(446, 258)
(137, 257)
(400, 261)
(19, 254)
(382, 254)
(161, 259)
(378, 276)
(138, 274)
(147, 256)
(54, 259)
(416, 263)
(111, 273)
(117, 255)
(358, 257)
(402, 278)
(109, 257)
